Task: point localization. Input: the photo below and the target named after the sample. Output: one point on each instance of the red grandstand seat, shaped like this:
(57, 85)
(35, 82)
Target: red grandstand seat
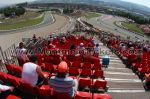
(74, 71)
(48, 59)
(78, 58)
(3, 76)
(86, 72)
(70, 57)
(45, 90)
(15, 81)
(83, 95)
(95, 59)
(143, 70)
(12, 97)
(100, 85)
(17, 70)
(50, 67)
(10, 68)
(76, 64)
(84, 83)
(97, 66)
(86, 65)
(98, 74)
(27, 88)
(102, 96)
(58, 95)
(68, 63)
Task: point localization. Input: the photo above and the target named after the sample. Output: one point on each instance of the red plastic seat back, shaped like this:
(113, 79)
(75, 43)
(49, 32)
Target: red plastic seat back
(58, 95)
(98, 73)
(86, 65)
(102, 96)
(76, 64)
(14, 80)
(3, 76)
(86, 72)
(27, 87)
(12, 97)
(100, 84)
(74, 71)
(83, 95)
(83, 82)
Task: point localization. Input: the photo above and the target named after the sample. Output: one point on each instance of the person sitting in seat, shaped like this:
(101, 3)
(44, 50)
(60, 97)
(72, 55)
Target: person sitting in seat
(63, 40)
(63, 84)
(32, 73)
(5, 91)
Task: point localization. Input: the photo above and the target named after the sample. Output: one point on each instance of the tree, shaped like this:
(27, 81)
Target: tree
(17, 10)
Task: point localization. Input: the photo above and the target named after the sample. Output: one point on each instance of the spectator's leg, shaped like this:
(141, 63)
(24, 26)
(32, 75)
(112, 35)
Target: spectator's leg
(40, 81)
(76, 85)
(3, 95)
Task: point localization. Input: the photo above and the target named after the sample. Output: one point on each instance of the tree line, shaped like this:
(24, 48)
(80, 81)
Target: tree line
(67, 11)
(12, 11)
(137, 18)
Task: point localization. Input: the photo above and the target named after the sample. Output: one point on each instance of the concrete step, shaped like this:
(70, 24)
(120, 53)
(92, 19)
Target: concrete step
(120, 75)
(128, 95)
(128, 85)
(115, 69)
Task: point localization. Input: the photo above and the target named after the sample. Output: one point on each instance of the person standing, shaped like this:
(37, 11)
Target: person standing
(21, 54)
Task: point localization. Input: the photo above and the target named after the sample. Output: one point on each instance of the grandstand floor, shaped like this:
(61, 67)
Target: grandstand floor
(122, 82)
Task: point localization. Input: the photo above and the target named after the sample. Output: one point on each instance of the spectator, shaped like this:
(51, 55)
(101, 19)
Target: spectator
(97, 49)
(34, 38)
(5, 91)
(32, 73)
(81, 47)
(63, 40)
(63, 84)
(21, 54)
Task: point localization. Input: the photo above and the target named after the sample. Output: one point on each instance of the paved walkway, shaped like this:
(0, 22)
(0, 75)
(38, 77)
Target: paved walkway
(122, 82)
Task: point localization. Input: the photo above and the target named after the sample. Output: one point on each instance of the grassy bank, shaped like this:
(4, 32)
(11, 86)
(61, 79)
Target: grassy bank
(21, 24)
(91, 15)
(133, 27)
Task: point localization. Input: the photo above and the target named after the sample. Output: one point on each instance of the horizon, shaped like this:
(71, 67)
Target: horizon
(145, 3)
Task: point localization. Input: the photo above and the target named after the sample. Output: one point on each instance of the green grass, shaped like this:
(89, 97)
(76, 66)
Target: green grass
(133, 27)
(91, 15)
(21, 24)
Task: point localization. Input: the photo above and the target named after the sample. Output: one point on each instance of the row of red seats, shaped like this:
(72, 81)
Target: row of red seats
(97, 74)
(74, 71)
(142, 67)
(47, 91)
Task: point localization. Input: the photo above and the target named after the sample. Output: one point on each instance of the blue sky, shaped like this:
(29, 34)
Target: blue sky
(142, 2)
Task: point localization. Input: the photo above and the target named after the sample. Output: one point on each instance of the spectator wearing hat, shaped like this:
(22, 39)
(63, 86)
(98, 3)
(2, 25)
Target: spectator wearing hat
(63, 84)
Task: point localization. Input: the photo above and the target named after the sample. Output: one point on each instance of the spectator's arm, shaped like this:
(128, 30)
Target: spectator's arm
(5, 88)
(40, 72)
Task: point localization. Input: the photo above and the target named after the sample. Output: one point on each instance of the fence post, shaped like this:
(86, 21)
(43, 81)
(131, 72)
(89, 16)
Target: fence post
(2, 54)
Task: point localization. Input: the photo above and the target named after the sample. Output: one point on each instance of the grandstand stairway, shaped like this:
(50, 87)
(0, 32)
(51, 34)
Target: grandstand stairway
(122, 82)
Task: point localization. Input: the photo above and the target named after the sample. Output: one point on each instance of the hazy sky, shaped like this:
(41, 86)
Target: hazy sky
(142, 2)
(13, 1)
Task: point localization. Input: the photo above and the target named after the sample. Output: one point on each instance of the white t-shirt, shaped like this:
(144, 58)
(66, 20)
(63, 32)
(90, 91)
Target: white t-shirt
(29, 73)
(97, 50)
(21, 53)
(4, 88)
